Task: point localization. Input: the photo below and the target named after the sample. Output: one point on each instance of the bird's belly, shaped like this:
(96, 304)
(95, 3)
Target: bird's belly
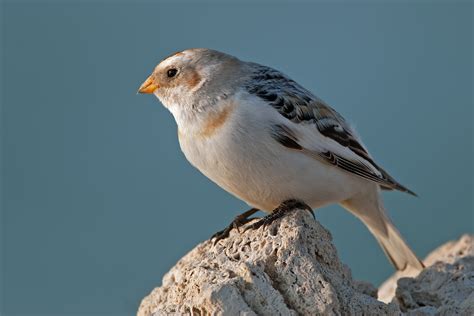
(264, 173)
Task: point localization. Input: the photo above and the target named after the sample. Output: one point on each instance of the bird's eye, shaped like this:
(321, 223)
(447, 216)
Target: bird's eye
(171, 72)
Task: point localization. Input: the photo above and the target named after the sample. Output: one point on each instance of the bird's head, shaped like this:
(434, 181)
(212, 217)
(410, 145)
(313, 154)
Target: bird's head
(192, 80)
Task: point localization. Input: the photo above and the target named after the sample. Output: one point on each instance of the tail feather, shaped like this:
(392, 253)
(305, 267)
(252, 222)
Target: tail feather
(397, 250)
(369, 209)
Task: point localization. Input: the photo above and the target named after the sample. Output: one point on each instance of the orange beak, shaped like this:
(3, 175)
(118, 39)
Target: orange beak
(149, 86)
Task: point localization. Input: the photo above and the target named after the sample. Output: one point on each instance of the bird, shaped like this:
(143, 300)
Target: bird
(270, 142)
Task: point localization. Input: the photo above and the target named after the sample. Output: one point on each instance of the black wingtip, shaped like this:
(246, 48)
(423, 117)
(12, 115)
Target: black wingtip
(406, 190)
(412, 193)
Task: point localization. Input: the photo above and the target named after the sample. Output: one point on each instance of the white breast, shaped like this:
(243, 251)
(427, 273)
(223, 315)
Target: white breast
(241, 156)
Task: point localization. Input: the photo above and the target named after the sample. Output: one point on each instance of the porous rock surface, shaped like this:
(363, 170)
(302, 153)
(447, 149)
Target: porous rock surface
(445, 287)
(288, 268)
(291, 268)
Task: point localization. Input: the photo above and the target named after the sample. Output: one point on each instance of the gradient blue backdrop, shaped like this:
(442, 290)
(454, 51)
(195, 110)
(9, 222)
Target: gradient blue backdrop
(98, 201)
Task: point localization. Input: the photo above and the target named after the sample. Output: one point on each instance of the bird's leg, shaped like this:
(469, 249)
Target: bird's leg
(238, 221)
(282, 210)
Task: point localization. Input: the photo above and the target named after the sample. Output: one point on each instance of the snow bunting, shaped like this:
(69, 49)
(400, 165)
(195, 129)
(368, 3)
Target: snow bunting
(270, 142)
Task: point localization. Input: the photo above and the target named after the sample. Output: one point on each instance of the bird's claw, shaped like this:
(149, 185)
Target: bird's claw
(238, 222)
(282, 210)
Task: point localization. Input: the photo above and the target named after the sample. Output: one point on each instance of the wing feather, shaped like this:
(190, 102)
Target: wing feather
(336, 143)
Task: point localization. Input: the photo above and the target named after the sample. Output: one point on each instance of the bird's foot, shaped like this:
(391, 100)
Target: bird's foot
(238, 221)
(282, 210)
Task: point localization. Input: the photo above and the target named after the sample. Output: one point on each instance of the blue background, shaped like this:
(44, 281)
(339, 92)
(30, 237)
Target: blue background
(98, 201)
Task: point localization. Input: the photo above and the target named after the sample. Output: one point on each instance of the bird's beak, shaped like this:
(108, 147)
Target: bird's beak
(149, 86)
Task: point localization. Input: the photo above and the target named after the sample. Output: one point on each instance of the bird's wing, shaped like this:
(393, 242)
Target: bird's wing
(320, 131)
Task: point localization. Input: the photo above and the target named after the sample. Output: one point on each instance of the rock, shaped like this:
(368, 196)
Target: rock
(452, 251)
(291, 267)
(445, 287)
(288, 268)
(387, 290)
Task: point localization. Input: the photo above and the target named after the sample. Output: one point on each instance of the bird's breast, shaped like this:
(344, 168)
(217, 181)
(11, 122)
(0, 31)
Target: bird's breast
(233, 154)
(241, 156)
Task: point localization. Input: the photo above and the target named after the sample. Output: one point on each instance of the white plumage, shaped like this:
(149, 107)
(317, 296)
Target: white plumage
(265, 139)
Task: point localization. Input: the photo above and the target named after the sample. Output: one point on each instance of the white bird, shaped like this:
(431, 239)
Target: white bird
(273, 144)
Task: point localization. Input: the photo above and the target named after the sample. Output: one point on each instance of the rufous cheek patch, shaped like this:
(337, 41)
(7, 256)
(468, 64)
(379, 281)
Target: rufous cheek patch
(193, 80)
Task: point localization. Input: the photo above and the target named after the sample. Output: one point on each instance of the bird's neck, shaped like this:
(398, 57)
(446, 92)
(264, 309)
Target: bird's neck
(204, 121)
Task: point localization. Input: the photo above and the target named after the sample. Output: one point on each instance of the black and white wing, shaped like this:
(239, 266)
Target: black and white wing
(341, 147)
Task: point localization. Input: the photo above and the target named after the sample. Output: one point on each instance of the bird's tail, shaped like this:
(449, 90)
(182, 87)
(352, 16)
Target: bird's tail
(372, 214)
(397, 250)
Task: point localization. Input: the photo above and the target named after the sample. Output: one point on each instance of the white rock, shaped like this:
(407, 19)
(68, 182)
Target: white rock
(445, 287)
(288, 268)
(292, 268)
